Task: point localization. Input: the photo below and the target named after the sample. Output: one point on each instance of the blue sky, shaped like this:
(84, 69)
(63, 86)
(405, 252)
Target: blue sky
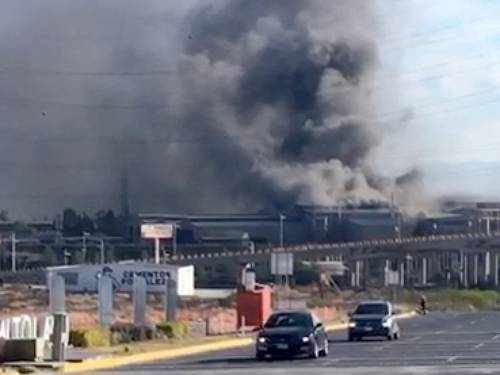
(440, 72)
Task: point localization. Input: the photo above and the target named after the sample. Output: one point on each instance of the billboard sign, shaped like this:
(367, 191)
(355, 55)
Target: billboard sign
(391, 277)
(84, 278)
(282, 264)
(155, 230)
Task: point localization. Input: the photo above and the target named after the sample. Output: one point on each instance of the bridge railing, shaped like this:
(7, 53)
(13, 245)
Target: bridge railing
(340, 245)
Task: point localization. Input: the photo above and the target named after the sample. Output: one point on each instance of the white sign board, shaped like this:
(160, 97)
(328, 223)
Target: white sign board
(152, 231)
(391, 277)
(139, 298)
(57, 294)
(282, 264)
(84, 277)
(105, 288)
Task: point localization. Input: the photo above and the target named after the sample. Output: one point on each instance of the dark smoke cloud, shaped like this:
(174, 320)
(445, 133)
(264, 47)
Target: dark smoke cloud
(261, 104)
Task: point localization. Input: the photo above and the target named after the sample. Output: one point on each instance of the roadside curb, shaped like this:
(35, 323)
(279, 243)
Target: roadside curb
(8, 371)
(124, 360)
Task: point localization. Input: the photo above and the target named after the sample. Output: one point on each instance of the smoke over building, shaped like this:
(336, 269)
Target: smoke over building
(252, 105)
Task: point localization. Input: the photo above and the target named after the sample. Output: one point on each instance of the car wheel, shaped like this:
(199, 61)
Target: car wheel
(324, 352)
(315, 351)
(396, 335)
(261, 356)
(350, 338)
(389, 337)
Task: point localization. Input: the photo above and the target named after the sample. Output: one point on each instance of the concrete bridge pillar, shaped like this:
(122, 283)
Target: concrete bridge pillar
(495, 270)
(387, 268)
(464, 274)
(355, 274)
(358, 273)
(424, 271)
(487, 267)
(402, 273)
(475, 271)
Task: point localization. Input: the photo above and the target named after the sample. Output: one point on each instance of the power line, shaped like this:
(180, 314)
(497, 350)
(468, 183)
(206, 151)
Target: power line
(438, 41)
(438, 103)
(42, 102)
(159, 106)
(75, 73)
(378, 119)
(432, 31)
(410, 154)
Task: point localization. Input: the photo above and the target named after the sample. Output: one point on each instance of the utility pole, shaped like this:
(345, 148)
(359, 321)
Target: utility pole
(282, 218)
(174, 240)
(13, 251)
(103, 255)
(84, 246)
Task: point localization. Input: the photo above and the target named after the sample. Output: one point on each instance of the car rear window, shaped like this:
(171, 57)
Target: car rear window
(289, 320)
(372, 309)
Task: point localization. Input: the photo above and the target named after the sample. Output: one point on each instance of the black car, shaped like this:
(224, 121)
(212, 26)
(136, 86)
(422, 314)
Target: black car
(373, 319)
(292, 333)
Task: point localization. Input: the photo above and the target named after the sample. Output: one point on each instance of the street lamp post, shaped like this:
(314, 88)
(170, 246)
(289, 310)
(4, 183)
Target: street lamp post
(282, 219)
(103, 255)
(282, 235)
(13, 252)
(174, 240)
(84, 246)
(397, 230)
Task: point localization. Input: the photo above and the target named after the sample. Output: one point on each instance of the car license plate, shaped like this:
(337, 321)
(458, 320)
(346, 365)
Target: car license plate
(368, 329)
(282, 346)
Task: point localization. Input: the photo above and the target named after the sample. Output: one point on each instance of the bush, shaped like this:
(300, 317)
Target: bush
(90, 337)
(479, 299)
(174, 330)
(126, 333)
(305, 275)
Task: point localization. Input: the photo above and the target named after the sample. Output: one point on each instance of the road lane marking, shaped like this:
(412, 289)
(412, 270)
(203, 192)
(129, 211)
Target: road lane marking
(415, 338)
(381, 348)
(439, 332)
(473, 322)
(452, 359)
(496, 337)
(332, 361)
(480, 345)
(459, 326)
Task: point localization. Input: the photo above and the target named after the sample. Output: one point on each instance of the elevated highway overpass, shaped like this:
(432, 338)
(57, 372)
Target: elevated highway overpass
(472, 257)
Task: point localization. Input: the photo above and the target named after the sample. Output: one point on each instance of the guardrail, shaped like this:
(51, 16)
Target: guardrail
(390, 242)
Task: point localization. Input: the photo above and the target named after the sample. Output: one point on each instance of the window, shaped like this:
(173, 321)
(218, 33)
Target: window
(290, 320)
(372, 309)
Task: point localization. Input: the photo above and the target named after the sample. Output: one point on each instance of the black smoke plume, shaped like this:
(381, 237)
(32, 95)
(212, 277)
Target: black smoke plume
(220, 106)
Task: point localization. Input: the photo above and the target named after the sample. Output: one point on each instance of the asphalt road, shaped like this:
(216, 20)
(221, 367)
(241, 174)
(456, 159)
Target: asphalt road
(439, 343)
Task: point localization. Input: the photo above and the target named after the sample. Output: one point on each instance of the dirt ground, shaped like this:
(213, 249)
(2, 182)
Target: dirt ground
(83, 308)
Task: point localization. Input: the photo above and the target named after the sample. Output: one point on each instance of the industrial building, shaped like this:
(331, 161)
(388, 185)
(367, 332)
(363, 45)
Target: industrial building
(40, 244)
(304, 224)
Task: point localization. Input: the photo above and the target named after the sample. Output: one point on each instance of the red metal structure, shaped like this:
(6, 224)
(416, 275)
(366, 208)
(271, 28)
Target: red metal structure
(253, 306)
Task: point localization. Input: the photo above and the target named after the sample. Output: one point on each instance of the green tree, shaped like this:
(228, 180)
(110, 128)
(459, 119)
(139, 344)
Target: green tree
(107, 223)
(50, 256)
(72, 224)
(4, 215)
